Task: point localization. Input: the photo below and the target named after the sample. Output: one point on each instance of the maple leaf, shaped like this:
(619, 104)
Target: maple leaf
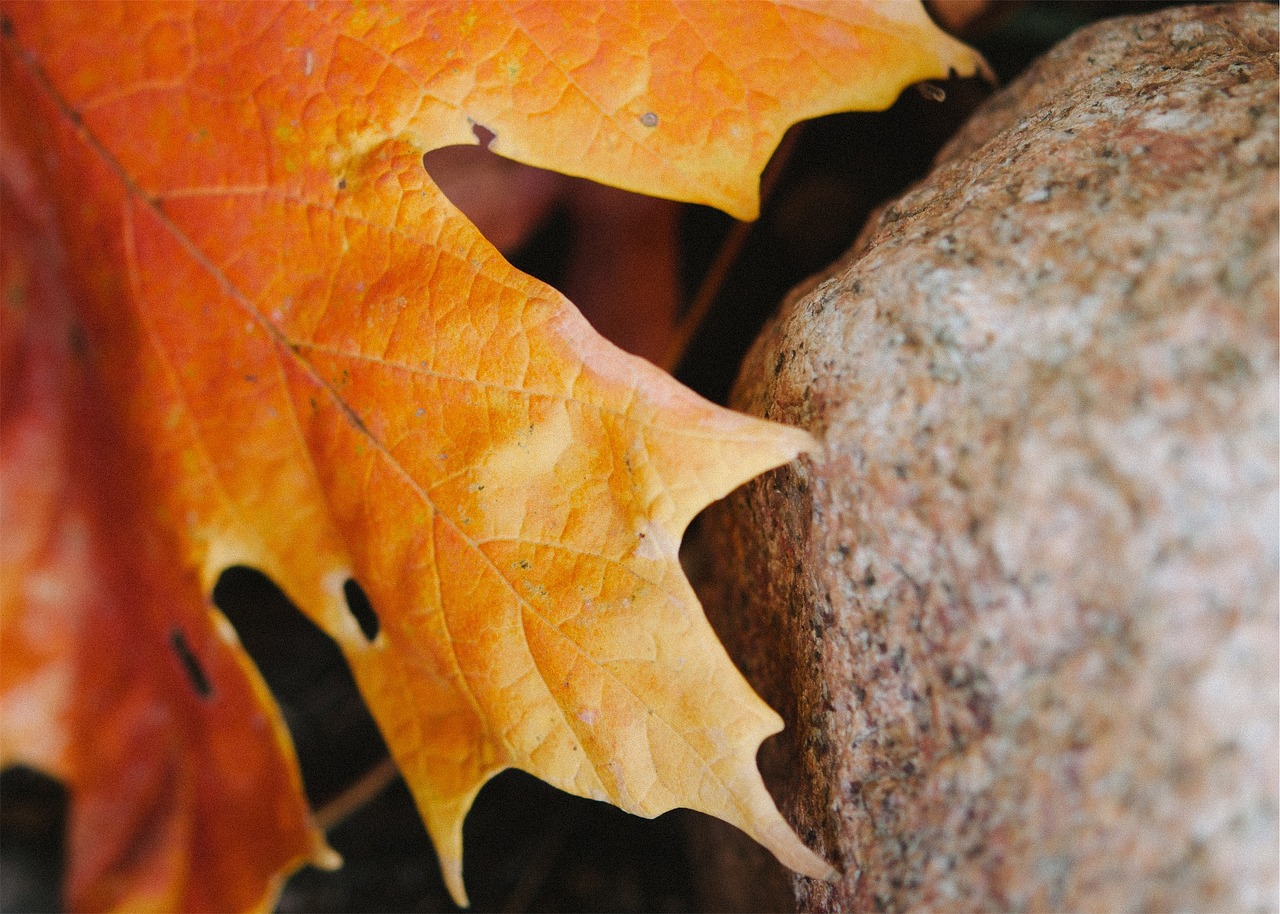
(244, 327)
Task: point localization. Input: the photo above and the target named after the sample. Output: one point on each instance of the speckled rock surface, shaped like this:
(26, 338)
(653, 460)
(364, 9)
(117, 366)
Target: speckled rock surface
(1021, 615)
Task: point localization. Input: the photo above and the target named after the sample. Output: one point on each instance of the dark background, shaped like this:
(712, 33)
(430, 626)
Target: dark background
(530, 847)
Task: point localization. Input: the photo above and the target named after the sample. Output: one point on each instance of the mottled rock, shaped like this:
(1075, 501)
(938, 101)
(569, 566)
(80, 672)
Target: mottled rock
(1021, 615)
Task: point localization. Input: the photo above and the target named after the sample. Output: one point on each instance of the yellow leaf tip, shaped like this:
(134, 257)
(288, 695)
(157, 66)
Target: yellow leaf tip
(796, 856)
(795, 442)
(451, 868)
(324, 857)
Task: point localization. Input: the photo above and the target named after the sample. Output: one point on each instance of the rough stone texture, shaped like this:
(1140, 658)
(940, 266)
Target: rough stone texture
(1021, 616)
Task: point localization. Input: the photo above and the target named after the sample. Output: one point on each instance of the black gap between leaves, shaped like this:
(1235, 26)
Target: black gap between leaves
(336, 738)
(33, 821)
(836, 176)
(544, 253)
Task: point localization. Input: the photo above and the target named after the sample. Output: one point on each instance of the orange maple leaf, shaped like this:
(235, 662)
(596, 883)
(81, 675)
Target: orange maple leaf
(248, 329)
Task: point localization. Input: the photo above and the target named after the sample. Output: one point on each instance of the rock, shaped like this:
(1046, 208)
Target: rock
(1021, 615)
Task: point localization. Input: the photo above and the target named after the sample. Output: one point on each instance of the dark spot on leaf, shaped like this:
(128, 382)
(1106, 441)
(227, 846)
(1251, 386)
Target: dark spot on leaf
(484, 135)
(342, 184)
(6, 26)
(190, 664)
(351, 413)
(76, 341)
(361, 608)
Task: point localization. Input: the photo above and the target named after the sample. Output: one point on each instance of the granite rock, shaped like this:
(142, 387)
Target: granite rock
(1021, 613)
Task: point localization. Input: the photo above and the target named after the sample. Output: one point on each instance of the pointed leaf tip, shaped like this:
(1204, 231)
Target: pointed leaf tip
(306, 360)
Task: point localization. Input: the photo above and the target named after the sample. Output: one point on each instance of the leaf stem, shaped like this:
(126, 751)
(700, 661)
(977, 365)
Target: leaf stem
(364, 789)
(726, 257)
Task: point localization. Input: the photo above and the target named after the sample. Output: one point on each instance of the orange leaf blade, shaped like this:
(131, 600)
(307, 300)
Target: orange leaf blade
(313, 364)
(118, 676)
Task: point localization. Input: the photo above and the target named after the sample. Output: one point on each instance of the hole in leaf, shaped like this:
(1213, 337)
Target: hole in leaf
(484, 135)
(190, 664)
(336, 738)
(33, 825)
(361, 608)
